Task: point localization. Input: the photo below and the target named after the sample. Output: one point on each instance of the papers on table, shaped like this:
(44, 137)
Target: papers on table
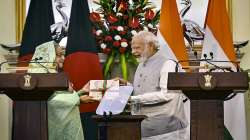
(114, 100)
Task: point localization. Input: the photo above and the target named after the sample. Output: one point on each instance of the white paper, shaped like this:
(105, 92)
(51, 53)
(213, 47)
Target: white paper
(97, 86)
(114, 100)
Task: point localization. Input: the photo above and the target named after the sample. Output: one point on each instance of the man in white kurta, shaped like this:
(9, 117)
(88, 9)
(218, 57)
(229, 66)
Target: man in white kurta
(164, 108)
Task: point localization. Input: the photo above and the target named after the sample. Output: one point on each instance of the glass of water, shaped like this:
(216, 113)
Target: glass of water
(135, 106)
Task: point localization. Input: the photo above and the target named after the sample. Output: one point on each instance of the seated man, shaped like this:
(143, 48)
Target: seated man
(63, 113)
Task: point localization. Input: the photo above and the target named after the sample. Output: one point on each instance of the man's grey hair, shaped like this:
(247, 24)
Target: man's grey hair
(148, 37)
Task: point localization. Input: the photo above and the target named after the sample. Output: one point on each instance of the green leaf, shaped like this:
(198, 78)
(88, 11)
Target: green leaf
(108, 64)
(124, 68)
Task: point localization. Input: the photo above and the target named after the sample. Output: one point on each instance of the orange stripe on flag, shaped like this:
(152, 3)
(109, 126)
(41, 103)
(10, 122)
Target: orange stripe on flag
(171, 30)
(218, 22)
(218, 39)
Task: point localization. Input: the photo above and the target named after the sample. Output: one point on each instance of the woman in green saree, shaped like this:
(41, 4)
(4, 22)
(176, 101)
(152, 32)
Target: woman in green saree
(64, 121)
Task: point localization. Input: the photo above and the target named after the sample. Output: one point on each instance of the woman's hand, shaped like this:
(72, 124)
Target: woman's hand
(70, 89)
(60, 52)
(86, 99)
(85, 88)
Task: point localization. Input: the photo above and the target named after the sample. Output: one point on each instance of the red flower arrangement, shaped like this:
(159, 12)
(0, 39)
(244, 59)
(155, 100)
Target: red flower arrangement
(115, 22)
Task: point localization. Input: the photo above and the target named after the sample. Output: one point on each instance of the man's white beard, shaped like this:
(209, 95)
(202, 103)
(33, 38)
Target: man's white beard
(141, 59)
(144, 56)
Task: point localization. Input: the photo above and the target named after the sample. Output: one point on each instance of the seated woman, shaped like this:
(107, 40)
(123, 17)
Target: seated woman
(64, 121)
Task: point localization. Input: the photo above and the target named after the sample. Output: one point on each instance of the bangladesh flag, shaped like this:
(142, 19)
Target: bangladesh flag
(37, 27)
(81, 62)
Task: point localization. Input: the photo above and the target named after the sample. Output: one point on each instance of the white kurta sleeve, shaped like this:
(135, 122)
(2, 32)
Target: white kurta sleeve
(164, 95)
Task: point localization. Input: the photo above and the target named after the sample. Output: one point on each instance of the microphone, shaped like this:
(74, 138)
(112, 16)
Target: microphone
(211, 55)
(196, 54)
(4, 62)
(218, 67)
(40, 58)
(209, 61)
(37, 62)
(226, 69)
(28, 61)
(190, 60)
(205, 56)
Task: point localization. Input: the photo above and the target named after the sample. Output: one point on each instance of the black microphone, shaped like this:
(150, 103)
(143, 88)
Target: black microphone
(196, 54)
(35, 60)
(211, 55)
(40, 58)
(205, 56)
(209, 61)
(176, 64)
(191, 60)
(225, 69)
(24, 61)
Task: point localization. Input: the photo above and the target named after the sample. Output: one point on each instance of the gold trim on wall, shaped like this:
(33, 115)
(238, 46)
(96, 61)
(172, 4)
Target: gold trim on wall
(230, 11)
(20, 18)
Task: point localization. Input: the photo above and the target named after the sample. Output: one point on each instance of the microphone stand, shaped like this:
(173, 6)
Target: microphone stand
(103, 128)
(30, 61)
(37, 62)
(209, 61)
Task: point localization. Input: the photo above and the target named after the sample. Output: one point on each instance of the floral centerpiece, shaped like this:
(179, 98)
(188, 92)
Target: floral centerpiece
(114, 24)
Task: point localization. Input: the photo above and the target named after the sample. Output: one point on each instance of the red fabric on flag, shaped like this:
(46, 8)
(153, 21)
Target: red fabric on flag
(80, 68)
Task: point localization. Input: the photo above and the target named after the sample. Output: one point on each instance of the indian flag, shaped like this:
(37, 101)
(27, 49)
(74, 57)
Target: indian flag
(170, 32)
(171, 38)
(218, 40)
